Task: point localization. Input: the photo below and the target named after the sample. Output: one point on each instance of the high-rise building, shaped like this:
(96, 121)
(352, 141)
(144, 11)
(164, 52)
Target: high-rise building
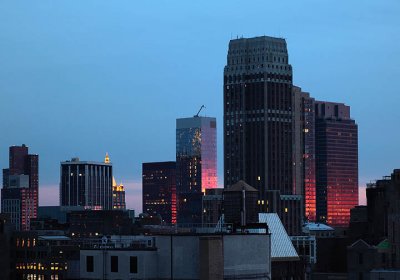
(20, 192)
(304, 147)
(159, 190)
(336, 148)
(258, 115)
(259, 124)
(87, 184)
(196, 165)
(118, 193)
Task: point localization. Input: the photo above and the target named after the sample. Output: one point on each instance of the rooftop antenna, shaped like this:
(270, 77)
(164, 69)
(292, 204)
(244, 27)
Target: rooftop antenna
(202, 106)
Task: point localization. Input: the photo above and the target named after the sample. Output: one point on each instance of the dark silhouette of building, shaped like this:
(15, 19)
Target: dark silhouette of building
(87, 184)
(212, 205)
(90, 223)
(49, 255)
(260, 127)
(6, 229)
(159, 190)
(258, 115)
(336, 140)
(19, 195)
(383, 202)
(362, 258)
(241, 202)
(196, 165)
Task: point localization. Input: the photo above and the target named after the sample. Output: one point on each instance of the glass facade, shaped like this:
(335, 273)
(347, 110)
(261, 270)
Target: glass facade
(196, 165)
(336, 138)
(159, 190)
(309, 159)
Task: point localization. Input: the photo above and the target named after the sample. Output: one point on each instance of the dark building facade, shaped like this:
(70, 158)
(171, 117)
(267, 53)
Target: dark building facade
(87, 223)
(196, 165)
(159, 190)
(87, 184)
(383, 202)
(336, 138)
(304, 143)
(259, 126)
(241, 203)
(212, 205)
(20, 192)
(258, 115)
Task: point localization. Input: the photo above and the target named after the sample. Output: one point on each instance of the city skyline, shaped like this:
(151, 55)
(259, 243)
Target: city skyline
(39, 62)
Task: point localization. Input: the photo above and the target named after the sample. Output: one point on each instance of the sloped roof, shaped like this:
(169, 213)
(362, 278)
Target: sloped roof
(239, 186)
(317, 227)
(360, 243)
(282, 248)
(384, 244)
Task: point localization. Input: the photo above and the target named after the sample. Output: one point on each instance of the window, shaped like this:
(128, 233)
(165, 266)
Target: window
(89, 264)
(114, 263)
(133, 264)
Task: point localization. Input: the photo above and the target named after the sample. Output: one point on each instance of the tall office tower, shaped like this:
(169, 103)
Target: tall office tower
(118, 196)
(259, 124)
(258, 115)
(87, 184)
(20, 193)
(336, 147)
(196, 165)
(304, 146)
(159, 190)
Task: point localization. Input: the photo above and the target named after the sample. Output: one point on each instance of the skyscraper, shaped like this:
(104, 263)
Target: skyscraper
(159, 190)
(87, 184)
(258, 115)
(196, 165)
(259, 126)
(118, 196)
(19, 196)
(336, 147)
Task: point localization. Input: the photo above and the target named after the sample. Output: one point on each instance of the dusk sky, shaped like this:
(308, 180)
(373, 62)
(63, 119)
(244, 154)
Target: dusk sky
(82, 78)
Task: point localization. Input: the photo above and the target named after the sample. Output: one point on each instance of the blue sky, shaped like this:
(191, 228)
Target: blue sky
(81, 78)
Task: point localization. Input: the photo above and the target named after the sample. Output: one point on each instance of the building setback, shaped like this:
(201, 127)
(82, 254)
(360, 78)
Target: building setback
(196, 165)
(20, 192)
(159, 190)
(87, 184)
(336, 147)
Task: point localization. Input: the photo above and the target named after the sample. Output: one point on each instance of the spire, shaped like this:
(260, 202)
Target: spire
(107, 159)
(114, 184)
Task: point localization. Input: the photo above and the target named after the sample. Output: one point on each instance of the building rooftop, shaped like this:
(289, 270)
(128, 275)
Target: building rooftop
(239, 186)
(282, 248)
(317, 227)
(54, 237)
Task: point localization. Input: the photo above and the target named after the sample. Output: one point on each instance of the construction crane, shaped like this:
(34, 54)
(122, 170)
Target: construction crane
(202, 106)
